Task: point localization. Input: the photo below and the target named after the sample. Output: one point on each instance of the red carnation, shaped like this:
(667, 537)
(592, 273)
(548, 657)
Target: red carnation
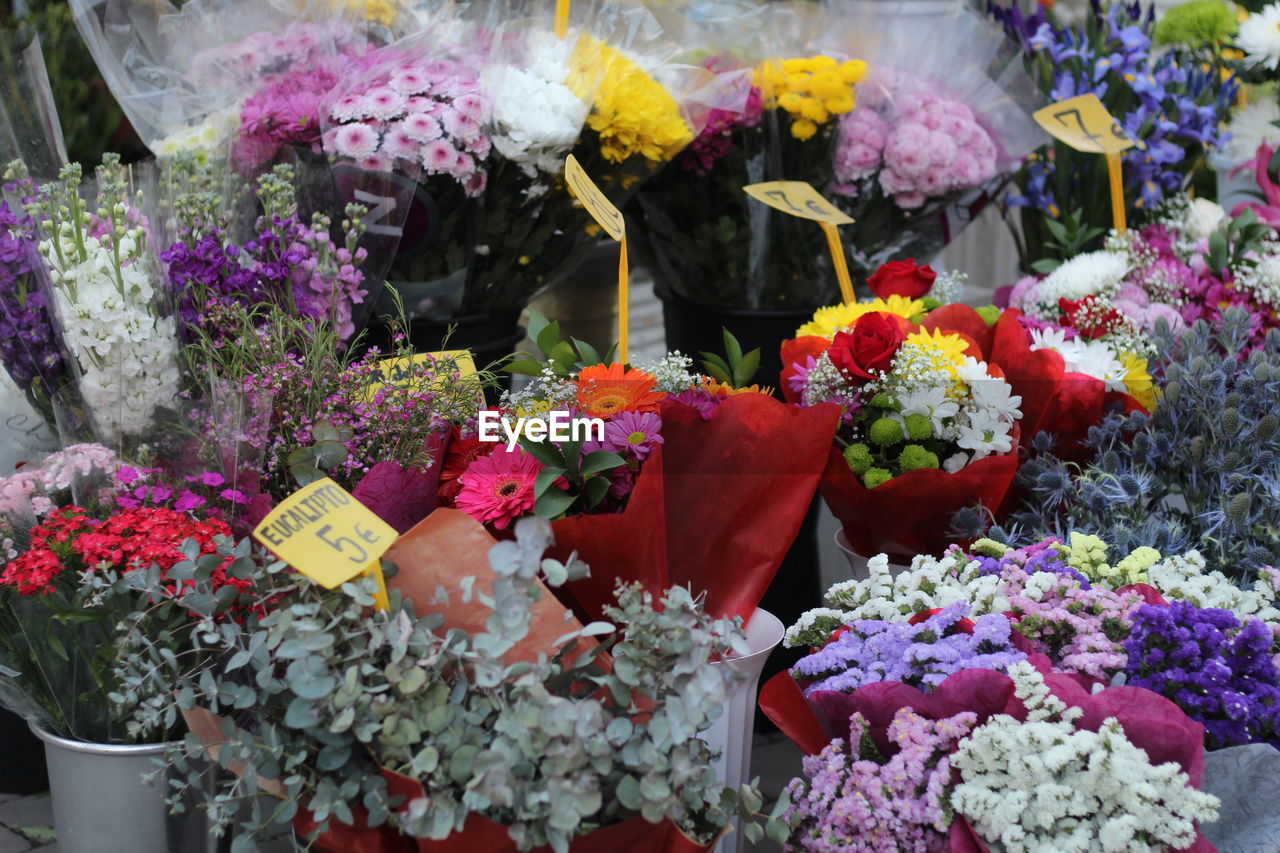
(902, 278)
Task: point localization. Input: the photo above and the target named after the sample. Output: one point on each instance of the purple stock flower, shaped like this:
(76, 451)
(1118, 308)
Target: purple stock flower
(29, 347)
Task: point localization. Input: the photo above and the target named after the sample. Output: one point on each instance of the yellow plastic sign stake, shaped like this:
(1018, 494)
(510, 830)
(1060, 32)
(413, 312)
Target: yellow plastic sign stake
(801, 199)
(608, 217)
(562, 18)
(397, 370)
(1084, 123)
(329, 536)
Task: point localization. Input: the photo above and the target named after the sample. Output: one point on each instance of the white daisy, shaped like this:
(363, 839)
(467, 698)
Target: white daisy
(1096, 359)
(930, 400)
(1260, 37)
(984, 434)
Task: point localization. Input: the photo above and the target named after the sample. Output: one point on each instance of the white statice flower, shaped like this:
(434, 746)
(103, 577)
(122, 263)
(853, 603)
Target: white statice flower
(1259, 37)
(1099, 273)
(1252, 127)
(931, 582)
(672, 373)
(1043, 785)
(535, 117)
(1183, 577)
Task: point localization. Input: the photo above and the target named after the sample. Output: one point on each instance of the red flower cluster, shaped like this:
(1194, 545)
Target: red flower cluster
(1088, 316)
(130, 540)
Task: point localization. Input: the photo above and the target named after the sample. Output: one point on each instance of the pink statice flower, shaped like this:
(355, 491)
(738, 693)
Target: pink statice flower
(498, 488)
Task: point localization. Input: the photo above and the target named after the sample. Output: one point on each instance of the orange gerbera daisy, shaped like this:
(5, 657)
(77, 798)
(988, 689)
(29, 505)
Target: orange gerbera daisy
(605, 391)
(718, 388)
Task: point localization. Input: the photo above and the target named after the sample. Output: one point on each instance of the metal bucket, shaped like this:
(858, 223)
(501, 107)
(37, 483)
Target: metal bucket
(102, 805)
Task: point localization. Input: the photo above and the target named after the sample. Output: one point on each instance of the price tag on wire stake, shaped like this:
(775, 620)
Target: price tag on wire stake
(1084, 123)
(608, 217)
(329, 536)
(801, 199)
(403, 370)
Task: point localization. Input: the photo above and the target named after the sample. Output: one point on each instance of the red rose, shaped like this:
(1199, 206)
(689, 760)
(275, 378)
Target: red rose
(867, 349)
(902, 278)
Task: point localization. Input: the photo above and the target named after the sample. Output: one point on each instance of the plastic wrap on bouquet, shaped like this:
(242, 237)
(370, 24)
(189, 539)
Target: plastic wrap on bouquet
(936, 134)
(715, 507)
(911, 513)
(29, 128)
(774, 103)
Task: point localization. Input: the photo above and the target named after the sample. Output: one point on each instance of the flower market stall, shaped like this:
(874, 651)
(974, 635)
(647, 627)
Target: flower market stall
(302, 549)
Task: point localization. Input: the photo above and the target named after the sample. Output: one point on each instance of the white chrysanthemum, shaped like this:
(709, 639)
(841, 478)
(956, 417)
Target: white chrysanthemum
(1203, 218)
(1259, 37)
(1251, 128)
(1098, 273)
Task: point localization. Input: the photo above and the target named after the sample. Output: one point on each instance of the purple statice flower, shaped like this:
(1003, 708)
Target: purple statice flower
(29, 347)
(851, 800)
(633, 434)
(1040, 557)
(1216, 668)
(921, 655)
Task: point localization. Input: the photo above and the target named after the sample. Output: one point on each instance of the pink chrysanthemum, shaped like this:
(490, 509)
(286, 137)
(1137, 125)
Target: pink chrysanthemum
(498, 488)
(357, 141)
(398, 143)
(422, 127)
(385, 104)
(410, 81)
(439, 156)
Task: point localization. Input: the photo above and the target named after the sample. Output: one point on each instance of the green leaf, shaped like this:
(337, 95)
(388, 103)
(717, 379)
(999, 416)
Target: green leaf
(524, 367)
(597, 487)
(553, 503)
(588, 353)
(600, 460)
(1045, 266)
(715, 366)
(629, 793)
(746, 369)
(546, 477)
(548, 337)
(545, 452)
(537, 322)
(563, 353)
(732, 349)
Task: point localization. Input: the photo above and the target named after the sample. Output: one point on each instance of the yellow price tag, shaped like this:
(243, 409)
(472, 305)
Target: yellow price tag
(329, 536)
(393, 371)
(562, 18)
(801, 199)
(1084, 123)
(608, 217)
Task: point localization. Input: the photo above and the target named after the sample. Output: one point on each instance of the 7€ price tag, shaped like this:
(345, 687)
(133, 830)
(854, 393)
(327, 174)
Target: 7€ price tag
(1084, 124)
(801, 199)
(329, 536)
(608, 217)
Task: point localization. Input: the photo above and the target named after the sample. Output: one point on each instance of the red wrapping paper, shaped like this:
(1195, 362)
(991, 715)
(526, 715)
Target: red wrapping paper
(911, 514)
(1053, 400)
(715, 507)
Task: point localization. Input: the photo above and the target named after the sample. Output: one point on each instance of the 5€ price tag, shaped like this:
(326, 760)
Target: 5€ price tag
(799, 199)
(1084, 123)
(326, 534)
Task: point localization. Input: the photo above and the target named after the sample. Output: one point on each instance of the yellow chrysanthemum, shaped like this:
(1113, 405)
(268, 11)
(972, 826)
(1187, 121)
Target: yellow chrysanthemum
(948, 350)
(1137, 381)
(631, 112)
(835, 318)
(812, 89)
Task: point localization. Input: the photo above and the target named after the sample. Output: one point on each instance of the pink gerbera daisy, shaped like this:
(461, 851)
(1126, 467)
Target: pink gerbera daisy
(498, 488)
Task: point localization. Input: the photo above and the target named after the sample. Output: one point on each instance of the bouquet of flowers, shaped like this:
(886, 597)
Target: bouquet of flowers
(630, 493)
(928, 425)
(487, 675)
(776, 118)
(1171, 103)
(68, 575)
(105, 299)
(935, 136)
